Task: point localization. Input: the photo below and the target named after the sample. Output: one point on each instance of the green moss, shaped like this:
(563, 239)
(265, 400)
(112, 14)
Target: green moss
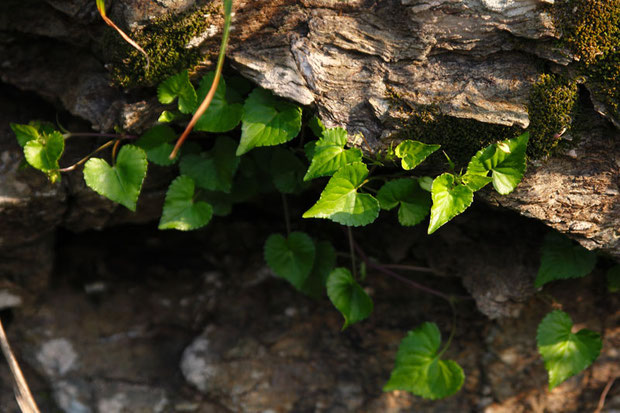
(164, 40)
(551, 109)
(605, 81)
(591, 30)
(459, 138)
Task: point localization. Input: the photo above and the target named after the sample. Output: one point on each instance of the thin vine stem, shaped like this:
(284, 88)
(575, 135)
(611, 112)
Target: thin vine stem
(216, 80)
(22, 392)
(601, 400)
(106, 19)
(452, 330)
(381, 268)
(117, 142)
(86, 158)
(352, 252)
(98, 135)
(409, 268)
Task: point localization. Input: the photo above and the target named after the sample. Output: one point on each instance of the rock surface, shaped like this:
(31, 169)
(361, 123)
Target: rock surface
(473, 59)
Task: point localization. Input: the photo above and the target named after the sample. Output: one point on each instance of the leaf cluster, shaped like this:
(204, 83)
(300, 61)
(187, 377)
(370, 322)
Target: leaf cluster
(233, 161)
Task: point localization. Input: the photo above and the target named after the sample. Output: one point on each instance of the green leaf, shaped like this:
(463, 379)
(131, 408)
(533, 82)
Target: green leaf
(309, 150)
(24, 133)
(44, 152)
(613, 279)
(329, 155)
(122, 182)
(449, 199)
(426, 183)
(213, 170)
(506, 160)
(324, 262)
(415, 203)
(221, 116)
(287, 171)
(178, 86)
(316, 126)
(562, 259)
(156, 144)
(412, 153)
(348, 296)
(420, 370)
(340, 201)
(565, 353)
(476, 182)
(267, 121)
(168, 116)
(181, 210)
(292, 258)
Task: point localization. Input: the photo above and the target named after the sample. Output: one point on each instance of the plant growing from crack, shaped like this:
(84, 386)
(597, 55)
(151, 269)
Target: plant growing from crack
(230, 171)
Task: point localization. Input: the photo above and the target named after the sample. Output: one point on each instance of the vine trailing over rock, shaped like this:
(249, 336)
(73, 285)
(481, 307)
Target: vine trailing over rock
(221, 171)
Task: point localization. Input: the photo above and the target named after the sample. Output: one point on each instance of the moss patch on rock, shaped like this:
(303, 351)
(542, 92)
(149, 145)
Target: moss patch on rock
(459, 138)
(591, 31)
(165, 40)
(551, 109)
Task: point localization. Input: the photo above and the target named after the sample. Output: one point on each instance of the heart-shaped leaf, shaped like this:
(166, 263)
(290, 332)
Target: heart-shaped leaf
(292, 258)
(324, 262)
(181, 210)
(340, 201)
(267, 121)
(213, 170)
(122, 182)
(316, 126)
(415, 203)
(413, 153)
(562, 259)
(449, 199)
(506, 160)
(329, 155)
(419, 368)
(348, 296)
(221, 115)
(44, 152)
(287, 171)
(178, 86)
(565, 353)
(157, 144)
(24, 133)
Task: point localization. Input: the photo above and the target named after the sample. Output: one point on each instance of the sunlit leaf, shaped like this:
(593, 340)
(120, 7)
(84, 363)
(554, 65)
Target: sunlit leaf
(565, 353)
(122, 182)
(181, 210)
(267, 121)
(341, 202)
(419, 368)
(413, 153)
(329, 154)
(450, 198)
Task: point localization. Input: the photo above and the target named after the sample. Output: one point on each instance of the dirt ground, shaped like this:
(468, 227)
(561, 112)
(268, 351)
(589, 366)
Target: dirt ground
(137, 320)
